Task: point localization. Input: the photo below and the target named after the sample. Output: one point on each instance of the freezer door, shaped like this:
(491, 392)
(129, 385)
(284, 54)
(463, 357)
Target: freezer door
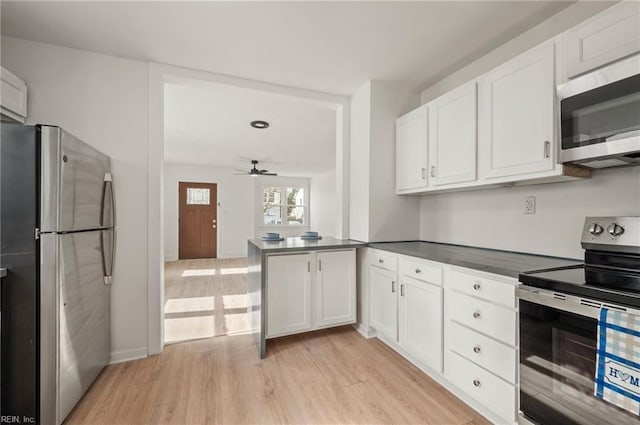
(84, 314)
(76, 184)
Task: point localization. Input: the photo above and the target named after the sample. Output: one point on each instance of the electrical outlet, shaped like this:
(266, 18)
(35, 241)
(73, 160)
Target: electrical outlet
(530, 205)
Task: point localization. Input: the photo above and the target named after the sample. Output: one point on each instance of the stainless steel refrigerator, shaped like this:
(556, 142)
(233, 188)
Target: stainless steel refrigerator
(57, 243)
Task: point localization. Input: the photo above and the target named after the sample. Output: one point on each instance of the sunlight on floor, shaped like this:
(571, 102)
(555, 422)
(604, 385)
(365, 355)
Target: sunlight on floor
(205, 298)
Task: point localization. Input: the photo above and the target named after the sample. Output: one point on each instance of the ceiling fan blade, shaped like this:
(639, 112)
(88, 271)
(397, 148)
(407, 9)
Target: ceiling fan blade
(268, 174)
(243, 173)
(263, 171)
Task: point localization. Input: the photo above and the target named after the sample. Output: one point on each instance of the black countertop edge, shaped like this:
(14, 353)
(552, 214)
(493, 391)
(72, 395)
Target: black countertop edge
(370, 244)
(490, 260)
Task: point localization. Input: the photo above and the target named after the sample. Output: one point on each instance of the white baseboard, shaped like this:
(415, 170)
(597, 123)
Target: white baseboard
(364, 330)
(233, 254)
(128, 355)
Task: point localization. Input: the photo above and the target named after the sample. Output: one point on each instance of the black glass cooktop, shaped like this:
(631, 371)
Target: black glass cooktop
(603, 285)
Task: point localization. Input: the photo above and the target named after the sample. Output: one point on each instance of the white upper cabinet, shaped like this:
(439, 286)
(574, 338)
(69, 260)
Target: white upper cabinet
(605, 38)
(453, 136)
(517, 115)
(411, 150)
(13, 95)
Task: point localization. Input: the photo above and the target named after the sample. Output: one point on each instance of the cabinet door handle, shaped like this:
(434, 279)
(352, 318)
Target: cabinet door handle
(476, 286)
(424, 173)
(476, 349)
(433, 171)
(309, 266)
(319, 265)
(547, 149)
(393, 286)
(476, 383)
(402, 289)
(418, 271)
(380, 260)
(476, 314)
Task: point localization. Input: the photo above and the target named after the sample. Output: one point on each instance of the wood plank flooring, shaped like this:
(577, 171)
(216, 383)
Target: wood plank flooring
(331, 376)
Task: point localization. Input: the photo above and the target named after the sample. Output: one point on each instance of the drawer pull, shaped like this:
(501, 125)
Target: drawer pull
(380, 260)
(476, 286)
(476, 314)
(418, 271)
(476, 349)
(402, 289)
(476, 383)
(393, 286)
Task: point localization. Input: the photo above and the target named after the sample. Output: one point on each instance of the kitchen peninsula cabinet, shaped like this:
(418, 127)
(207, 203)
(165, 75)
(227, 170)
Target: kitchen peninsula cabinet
(298, 286)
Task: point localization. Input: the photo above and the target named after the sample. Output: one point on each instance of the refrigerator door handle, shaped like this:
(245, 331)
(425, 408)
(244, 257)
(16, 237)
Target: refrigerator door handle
(107, 207)
(108, 248)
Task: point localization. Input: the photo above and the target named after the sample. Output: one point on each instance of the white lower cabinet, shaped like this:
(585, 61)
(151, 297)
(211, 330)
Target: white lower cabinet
(420, 321)
(310, 290)
(335, 288)
(457, 325)
(384, 302)
(288, 294)
(481, 356)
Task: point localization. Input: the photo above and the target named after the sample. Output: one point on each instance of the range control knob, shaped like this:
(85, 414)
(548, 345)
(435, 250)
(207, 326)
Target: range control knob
(615, 229)
(595, 229)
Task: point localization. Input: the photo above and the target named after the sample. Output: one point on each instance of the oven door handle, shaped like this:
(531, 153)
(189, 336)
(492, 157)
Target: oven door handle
(575, 305)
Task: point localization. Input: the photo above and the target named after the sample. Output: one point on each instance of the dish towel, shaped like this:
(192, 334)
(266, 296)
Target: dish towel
(618, 359)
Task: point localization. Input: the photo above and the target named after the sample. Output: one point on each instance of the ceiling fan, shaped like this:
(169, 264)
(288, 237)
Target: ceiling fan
(255, 172)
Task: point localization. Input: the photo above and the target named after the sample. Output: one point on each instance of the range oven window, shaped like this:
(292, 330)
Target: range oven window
(557, 369)
(603, 114)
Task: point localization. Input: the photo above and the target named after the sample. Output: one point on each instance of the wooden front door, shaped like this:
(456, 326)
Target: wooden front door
(198, 220)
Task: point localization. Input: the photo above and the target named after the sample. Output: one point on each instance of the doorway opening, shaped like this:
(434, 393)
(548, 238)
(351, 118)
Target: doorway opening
(197, 220)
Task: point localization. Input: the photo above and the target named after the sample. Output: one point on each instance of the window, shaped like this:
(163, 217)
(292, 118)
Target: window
(197, 196)
(283, 205)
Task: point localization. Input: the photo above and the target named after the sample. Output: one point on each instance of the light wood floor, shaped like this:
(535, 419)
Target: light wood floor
(205, 298)
(326, 377)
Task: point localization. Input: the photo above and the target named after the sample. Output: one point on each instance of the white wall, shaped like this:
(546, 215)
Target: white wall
(375, 212)
(103, 100)
(359, 163)
(324, 204)
(547, 29)
(235, 210)
(494, 218)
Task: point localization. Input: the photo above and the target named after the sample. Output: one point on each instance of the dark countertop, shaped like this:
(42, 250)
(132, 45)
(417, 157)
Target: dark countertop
(3, 272)
(504, 263)
(297, 244)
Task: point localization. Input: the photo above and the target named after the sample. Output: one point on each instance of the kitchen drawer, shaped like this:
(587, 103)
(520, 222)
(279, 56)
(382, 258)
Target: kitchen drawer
(493, 320)
(482, 287)
(420, 270)
(484, 351)
(496, 394)
(385, 260)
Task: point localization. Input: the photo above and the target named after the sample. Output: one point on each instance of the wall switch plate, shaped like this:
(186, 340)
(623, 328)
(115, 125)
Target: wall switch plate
(530, 205)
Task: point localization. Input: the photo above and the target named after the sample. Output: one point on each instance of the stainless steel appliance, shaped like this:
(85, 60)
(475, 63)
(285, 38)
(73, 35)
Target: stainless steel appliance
(57, 245)
(600, 116)
(558, 325)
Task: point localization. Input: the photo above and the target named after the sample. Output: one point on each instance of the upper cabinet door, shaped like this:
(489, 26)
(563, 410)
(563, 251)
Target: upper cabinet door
(605, 38)
(517, 115)
(411, 150)
(453, 136)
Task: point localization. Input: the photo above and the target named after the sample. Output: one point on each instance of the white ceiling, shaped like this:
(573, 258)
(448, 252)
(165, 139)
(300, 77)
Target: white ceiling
(332, 47)
(207, 123)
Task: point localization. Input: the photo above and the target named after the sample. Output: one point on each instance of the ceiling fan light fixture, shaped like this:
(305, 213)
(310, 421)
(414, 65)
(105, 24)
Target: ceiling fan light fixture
(259, 124)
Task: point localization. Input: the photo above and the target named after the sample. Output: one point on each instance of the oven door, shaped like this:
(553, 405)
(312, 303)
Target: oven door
(600, 116)
(558, 342)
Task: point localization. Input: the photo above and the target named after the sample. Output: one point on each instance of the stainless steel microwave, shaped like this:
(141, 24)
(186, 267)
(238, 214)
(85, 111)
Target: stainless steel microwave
(600, 116)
